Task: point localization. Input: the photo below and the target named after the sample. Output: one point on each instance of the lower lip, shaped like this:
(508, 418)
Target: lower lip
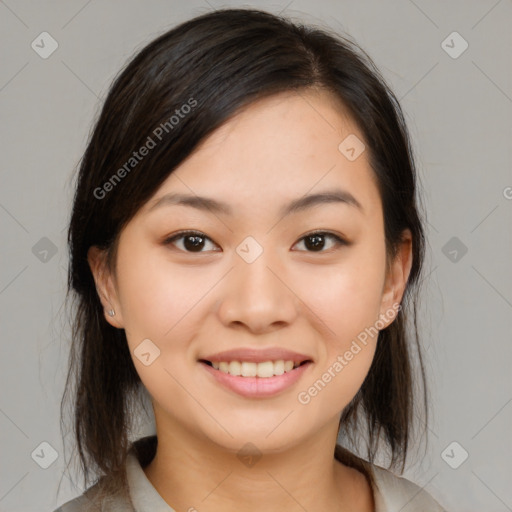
(257, 387)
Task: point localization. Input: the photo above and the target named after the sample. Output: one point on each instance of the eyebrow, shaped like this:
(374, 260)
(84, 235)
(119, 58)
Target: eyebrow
(300, 204)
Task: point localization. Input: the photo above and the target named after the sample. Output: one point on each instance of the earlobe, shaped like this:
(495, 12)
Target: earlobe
(104, 286)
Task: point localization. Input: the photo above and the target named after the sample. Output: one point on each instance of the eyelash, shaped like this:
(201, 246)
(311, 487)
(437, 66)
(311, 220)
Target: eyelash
(182, 234)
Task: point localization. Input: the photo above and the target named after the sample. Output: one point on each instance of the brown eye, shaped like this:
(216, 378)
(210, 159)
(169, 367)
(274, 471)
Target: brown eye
(193, 241)
(316, 242)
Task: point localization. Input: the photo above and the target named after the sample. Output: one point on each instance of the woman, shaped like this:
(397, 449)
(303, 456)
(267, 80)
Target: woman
(245, 243)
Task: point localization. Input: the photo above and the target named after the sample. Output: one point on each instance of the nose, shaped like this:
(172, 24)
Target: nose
(256, 296)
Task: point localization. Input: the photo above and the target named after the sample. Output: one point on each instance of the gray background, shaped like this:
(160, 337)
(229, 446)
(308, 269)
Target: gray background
(459, 112)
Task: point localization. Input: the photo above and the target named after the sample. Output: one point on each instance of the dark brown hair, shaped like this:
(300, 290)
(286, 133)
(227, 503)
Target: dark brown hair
(220, 62)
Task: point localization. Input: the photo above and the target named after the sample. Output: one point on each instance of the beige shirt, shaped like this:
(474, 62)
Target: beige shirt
(391, 494)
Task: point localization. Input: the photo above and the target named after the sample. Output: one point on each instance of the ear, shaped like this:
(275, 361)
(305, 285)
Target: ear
(396, 279)
(105, 286)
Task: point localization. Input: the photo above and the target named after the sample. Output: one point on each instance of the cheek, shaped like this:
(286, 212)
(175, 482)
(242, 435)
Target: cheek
(349, 307)
(158, 304)
(347, 296)
(346, 300)
(152, 298)
(159, 300)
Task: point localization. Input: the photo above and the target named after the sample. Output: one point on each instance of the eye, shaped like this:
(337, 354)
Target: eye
(194, 241)
(316, 241)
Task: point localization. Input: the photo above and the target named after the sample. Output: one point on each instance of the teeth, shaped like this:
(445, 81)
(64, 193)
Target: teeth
(247, 369)
(235, 368)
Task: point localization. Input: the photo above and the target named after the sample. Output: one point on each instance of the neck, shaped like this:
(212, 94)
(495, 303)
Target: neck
(191, 474)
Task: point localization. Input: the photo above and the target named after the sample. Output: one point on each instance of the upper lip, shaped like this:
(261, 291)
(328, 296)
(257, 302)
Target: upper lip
(257, 355)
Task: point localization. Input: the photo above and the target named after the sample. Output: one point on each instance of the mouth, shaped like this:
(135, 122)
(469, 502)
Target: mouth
(251, 379)
(251, 369)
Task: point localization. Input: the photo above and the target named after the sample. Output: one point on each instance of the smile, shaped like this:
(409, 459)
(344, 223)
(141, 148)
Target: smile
(256, 380)
(265, 369)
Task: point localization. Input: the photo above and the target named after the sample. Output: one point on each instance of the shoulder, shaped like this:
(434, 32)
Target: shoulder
(106, 495)
(393, 493)
(94, 500)
(78, 504)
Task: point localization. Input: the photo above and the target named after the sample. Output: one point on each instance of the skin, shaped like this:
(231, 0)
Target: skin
(316, 302)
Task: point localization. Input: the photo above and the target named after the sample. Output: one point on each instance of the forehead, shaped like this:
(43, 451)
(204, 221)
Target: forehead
(277, 149)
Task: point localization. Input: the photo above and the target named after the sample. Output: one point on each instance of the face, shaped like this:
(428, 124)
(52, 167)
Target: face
(305, 284)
